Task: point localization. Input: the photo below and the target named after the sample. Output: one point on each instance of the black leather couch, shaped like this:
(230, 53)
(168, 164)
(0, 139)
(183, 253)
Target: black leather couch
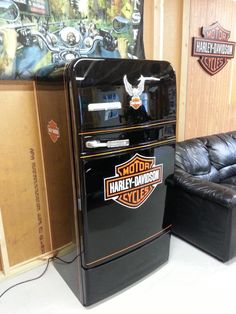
(201, 195)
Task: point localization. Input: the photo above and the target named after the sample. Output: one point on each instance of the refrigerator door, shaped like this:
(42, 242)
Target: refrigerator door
(112, 93)
(123, 200)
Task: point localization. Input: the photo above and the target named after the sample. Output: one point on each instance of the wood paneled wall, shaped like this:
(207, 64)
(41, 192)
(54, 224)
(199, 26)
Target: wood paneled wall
(210, 100)
(148, 29)
(163, 28)
(206, 104)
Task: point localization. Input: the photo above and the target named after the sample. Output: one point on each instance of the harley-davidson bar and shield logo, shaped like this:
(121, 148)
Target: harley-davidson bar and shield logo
(53, 131)
(134, 181)
(214, 49)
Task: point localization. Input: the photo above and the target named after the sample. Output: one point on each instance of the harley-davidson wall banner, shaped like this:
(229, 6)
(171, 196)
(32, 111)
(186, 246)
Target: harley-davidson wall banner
(36, 33)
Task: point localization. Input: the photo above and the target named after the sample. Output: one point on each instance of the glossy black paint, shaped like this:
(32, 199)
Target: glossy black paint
(117, 245)
(139, 136)
(110, 227)
(110, 278)
(101, 80)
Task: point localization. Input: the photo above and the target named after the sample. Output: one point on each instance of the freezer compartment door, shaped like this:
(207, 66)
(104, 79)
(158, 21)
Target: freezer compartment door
(110, 93)
(123, 201)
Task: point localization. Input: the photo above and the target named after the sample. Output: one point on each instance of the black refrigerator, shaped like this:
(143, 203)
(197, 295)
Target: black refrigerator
(108, 133)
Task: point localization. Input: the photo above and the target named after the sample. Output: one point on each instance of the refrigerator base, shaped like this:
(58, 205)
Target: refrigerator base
(103, 281)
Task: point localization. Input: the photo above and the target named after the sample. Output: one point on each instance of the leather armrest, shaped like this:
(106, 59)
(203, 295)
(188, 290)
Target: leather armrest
(205, 189)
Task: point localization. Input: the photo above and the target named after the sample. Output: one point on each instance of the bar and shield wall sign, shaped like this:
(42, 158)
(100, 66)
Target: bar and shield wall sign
(214, 48)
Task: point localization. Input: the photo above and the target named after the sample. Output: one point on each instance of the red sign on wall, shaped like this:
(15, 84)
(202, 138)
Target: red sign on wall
(214, 48)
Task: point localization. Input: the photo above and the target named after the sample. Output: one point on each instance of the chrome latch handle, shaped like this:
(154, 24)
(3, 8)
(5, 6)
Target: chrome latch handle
(108, 144)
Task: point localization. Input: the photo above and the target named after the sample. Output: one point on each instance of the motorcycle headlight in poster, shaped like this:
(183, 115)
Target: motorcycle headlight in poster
(36, 33)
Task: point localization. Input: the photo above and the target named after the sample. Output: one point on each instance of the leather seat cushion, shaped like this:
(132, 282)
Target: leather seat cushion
(222, 150)
(230, 181)
(192, 156)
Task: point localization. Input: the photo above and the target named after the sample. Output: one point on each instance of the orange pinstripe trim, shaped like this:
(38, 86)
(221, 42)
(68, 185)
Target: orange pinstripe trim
(128, 128)
(155, 235)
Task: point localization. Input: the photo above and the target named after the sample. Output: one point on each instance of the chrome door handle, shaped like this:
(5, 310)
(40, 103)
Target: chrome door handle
(108, 144)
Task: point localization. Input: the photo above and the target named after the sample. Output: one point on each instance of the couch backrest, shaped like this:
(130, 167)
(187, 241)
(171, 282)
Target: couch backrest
(211, 157)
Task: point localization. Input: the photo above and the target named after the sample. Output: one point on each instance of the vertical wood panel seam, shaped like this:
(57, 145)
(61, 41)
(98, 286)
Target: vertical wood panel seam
(3, 248)
(184, 71)
(148, 29)
(156, 30)
(161, 25)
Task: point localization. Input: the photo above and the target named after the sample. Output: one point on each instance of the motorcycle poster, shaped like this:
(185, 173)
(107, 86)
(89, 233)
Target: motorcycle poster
(37, 33)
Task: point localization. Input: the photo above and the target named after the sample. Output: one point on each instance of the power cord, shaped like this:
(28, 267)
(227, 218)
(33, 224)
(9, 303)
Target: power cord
(41, 275)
